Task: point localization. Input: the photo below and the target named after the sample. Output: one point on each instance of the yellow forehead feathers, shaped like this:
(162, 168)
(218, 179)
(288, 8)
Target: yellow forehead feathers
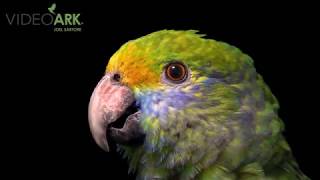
(133, 67)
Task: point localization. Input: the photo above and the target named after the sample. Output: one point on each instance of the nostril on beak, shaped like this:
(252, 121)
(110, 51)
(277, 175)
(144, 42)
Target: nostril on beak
(116, 77)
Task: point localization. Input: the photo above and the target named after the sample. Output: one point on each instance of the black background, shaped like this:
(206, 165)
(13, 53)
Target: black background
(47, 78)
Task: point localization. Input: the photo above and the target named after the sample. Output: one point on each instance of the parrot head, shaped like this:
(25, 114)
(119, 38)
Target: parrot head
(176, 103)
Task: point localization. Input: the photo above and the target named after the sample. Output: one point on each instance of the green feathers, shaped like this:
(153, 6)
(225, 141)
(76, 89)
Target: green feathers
(221, 123)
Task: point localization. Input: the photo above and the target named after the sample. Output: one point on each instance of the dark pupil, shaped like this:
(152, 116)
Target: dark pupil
(175, 72)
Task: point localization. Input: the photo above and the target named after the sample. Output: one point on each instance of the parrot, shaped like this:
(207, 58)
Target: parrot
(178, 105)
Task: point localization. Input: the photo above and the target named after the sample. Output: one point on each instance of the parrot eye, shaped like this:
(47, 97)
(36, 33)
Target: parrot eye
(176, 72)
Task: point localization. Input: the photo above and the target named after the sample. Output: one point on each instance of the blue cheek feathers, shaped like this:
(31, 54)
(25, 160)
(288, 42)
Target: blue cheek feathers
(156, 104)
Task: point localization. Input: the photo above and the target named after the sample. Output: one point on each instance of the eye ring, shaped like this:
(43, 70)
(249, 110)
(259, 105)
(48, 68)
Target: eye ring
(176, 72)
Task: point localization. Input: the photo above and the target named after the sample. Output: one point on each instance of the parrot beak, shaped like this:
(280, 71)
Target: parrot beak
(112, 102)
